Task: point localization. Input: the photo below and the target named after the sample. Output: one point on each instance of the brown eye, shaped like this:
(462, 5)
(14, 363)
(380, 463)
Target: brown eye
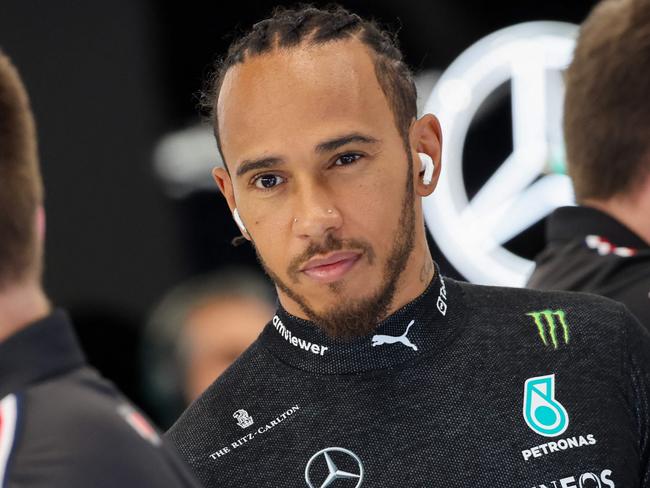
(347, 159)
(266, 182)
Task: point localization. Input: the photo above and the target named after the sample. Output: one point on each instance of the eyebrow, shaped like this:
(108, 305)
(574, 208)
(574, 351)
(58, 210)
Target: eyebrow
(323, 147)
(337, 142)
(253, 164)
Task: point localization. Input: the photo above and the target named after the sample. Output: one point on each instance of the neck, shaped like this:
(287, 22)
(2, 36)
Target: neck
(416, 277)
(630, 210)
(20, 305)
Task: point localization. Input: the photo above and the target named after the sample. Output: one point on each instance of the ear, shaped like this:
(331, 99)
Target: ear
(222, 178)
(426, 137)
(40, 223)
(223, 181)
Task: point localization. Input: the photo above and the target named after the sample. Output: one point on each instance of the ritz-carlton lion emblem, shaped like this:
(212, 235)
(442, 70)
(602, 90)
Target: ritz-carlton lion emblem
(243, 419)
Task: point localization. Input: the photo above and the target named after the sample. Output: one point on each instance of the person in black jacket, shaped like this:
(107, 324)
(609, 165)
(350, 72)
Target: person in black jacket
(61, 424)
(603, 245)
(376, 370)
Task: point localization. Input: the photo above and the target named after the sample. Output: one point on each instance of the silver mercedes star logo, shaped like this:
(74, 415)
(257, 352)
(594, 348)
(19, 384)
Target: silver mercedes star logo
(334, 473)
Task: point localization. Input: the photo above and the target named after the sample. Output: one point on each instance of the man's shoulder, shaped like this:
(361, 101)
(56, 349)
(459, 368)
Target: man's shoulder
(77, 429)
(76, 409)
(504, 297)
(555, 317)
(592, 263)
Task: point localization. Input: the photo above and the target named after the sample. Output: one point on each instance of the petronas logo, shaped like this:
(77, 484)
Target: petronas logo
(543, 413)
(551, 326)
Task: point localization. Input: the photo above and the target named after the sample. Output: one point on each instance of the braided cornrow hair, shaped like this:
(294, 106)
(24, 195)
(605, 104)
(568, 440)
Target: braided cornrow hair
(291, 27)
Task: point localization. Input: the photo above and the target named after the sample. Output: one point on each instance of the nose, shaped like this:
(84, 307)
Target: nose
(316, 214)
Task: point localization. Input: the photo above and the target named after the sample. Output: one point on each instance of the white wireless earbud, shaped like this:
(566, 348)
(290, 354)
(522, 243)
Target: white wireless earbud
(240, 224)
(427, 167)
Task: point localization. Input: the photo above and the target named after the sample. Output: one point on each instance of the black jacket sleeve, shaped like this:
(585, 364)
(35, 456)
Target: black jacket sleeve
(82, 433)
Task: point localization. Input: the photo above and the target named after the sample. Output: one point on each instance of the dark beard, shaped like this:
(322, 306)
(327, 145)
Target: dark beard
(355, 318)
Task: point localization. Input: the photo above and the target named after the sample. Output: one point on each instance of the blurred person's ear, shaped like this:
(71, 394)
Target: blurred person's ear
(40, 223)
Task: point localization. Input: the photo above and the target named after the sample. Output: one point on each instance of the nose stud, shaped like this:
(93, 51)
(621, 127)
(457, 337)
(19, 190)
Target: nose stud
(329, 210)
(295, 220)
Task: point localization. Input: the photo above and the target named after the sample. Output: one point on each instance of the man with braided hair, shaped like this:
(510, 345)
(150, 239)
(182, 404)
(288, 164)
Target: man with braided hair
(376, 371)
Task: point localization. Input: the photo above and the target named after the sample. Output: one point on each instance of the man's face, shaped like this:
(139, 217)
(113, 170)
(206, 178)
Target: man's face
(217, 332)
(320, 176)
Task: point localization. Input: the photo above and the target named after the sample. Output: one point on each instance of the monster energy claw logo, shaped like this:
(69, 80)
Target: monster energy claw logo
(549, 319)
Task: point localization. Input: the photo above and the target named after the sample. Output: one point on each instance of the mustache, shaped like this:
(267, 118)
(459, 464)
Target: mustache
(331, 243)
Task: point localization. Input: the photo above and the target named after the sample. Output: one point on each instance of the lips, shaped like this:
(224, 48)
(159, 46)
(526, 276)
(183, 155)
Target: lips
(331, 267)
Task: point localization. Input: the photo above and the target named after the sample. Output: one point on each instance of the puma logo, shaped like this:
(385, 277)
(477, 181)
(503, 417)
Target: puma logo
(380, 339)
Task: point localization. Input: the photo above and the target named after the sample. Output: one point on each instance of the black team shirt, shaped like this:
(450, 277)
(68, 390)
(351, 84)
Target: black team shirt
(587, 250)
(63, 426)
(466, 386)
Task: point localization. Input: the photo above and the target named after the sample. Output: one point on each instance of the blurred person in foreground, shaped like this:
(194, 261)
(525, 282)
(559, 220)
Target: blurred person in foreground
(61, 424)
(196, 332)
(602, 245)
(376, 371)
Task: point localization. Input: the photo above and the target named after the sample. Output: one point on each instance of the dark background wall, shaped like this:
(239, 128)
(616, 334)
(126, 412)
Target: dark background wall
(91, 70)
(107, 79)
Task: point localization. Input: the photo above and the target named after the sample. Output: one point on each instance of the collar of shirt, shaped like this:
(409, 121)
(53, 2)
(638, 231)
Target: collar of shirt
(41, 350)
(570, 223)
(419, 328)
